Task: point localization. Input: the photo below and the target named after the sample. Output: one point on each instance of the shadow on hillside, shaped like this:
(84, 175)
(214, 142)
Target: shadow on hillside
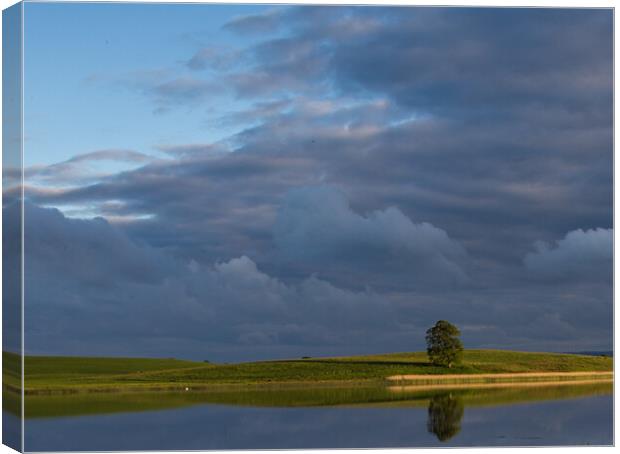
(367, 362)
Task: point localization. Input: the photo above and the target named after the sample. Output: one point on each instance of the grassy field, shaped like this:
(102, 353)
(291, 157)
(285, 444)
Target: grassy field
(46, 374)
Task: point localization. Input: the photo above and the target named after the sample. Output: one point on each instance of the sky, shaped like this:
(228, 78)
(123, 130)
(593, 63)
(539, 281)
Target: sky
(250, 182)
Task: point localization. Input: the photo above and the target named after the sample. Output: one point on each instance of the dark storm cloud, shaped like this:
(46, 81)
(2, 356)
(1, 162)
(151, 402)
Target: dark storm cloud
(579, 255)
(317, 227)
(462, 179)
(456, 138)
(90, 251)
(487, 191)
(222, 204)
(477, 61)
(90, 281)
(516, 102)
(476, 66)
(99, 291)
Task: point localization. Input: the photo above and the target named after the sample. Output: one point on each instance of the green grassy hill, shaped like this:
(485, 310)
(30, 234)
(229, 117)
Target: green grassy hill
(49, 374)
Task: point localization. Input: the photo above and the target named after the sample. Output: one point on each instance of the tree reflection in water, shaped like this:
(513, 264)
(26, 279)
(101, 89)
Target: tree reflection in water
(444, 416)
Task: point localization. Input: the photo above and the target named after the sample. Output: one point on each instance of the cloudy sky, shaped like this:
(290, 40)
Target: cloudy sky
(248, 182)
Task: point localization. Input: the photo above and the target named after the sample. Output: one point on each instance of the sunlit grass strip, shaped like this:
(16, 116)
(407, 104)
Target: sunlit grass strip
(525, 377)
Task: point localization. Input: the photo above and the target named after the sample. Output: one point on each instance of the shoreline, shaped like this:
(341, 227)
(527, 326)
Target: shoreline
(515, 384)
(409, 382)
(193, 387)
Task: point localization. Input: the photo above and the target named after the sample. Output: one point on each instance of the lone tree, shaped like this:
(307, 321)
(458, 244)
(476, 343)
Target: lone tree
(443, 346)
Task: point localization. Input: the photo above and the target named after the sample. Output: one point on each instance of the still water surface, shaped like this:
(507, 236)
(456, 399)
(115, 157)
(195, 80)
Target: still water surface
(322, 418)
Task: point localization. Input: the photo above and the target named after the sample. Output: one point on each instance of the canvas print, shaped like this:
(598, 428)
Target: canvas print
(246, 226)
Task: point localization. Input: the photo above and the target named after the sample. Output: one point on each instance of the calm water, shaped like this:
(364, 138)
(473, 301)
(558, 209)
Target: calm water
(510, 417)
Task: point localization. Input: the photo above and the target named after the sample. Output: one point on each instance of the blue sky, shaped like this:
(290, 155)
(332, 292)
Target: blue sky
(77, 55)
(265, 182)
